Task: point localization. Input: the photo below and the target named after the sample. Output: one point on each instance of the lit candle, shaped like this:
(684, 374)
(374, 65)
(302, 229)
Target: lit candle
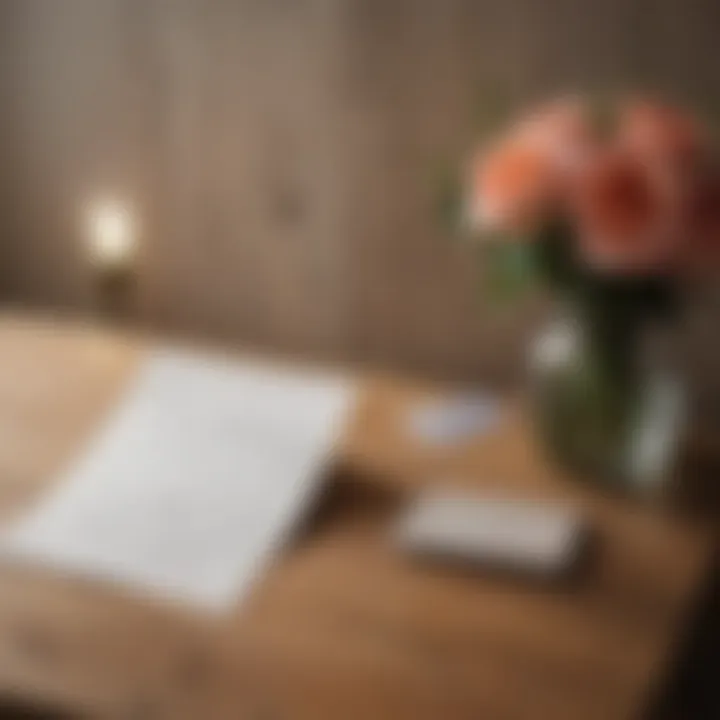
(112, 240)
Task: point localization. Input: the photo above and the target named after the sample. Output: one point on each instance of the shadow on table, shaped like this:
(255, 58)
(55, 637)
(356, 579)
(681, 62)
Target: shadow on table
(15, 709)
(693, 694)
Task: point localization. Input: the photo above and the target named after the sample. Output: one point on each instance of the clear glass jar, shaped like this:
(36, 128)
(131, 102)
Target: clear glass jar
(607, 407)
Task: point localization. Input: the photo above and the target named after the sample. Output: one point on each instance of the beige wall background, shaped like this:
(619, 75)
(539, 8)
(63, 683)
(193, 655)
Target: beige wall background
(282, 155)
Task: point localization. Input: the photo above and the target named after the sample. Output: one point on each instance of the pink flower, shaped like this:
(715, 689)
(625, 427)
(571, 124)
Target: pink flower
(627, 213)
(661, 133)
(701, 249)
(564, 129)
(520, 182)
(512, 186)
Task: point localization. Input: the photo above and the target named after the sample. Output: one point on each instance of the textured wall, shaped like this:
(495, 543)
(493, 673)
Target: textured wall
(281, 154)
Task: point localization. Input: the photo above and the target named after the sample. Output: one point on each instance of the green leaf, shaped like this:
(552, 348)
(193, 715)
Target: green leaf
(556, 257)
(509, 268)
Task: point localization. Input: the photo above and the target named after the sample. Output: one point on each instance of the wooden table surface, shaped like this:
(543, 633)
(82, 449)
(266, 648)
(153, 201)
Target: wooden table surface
(341, 627)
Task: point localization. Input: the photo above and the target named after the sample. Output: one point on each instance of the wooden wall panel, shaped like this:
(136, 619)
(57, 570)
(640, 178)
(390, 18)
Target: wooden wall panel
(421, 78)
(8, 179)
(282, 155)
(248, 178)
(82, 114)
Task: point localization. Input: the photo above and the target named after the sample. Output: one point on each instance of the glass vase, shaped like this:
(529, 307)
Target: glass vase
(605, 409)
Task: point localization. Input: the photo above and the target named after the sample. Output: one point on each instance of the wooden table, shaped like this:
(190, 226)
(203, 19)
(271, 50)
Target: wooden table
(342, 627)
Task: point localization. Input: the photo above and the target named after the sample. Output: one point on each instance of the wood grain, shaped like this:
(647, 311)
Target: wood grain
(284, 157)
(342, 626)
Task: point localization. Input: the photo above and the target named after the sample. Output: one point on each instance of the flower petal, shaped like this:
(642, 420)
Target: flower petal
(627, 212)
(661, 132)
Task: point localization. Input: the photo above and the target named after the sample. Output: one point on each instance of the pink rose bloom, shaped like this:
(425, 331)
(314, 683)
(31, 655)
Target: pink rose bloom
(512, 187)
(659, 132)
(627, 213)
(701, 248)
(520, 182)
(564, 129)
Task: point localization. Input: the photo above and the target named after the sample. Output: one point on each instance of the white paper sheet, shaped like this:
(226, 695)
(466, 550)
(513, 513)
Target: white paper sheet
(196, 479)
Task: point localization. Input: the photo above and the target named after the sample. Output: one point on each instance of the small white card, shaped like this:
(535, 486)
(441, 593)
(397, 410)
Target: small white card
(454, 420)
(537, 537)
